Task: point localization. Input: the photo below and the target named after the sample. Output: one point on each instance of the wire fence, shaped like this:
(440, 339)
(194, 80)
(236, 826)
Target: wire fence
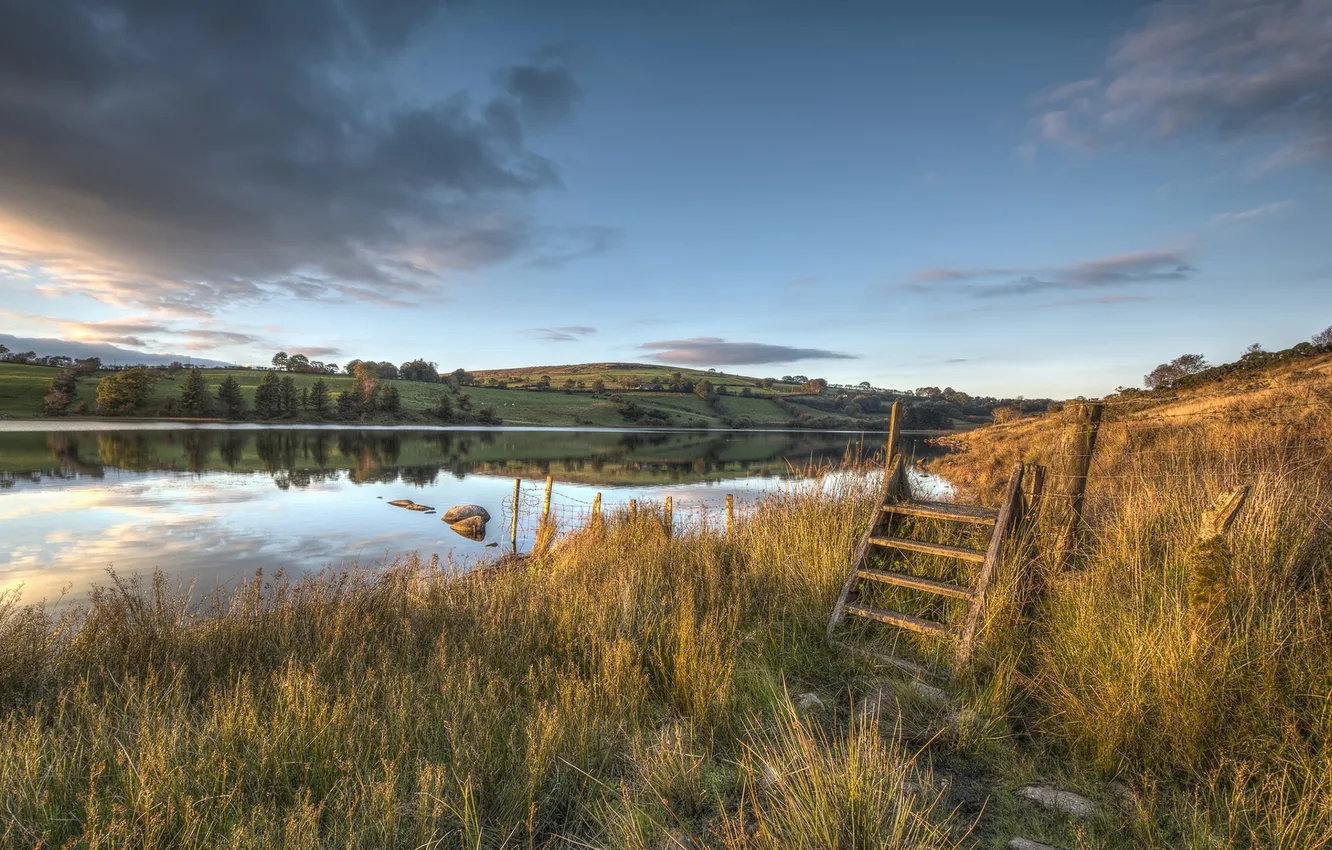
(535, 504)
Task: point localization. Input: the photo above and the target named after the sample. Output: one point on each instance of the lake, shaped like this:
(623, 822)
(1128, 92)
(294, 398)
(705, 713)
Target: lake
(219, 502)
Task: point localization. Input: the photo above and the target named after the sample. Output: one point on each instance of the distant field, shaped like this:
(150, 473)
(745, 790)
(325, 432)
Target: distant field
(22, 388)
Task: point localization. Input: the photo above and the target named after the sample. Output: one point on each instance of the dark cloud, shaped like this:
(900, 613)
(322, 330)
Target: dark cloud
(563, 333)
(1232, 69)
(1140, 267)
(316, 351)
(179, 156)
(714, 351)
(108, 352)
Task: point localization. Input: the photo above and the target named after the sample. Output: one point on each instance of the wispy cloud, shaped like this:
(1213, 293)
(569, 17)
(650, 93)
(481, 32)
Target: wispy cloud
(1248, 70)
(1138, 267)
(715, 351)
(563, 333)
(1249, 215)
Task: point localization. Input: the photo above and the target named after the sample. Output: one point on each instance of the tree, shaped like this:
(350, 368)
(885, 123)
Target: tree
(1253, 351)
(598, 386)
(319, 397)
(1166, 374)
(543, 383)
(125, 391)
(287, 397)
(488, 416)
(230, 400)
(367, 383)
(386, 370)
(194, 397)
(443, 409)
(348, 405)
(569, 384)
(351, 366)
(268, 397)
(1323, 339)
(298, 363)
(419, 370)
(389, 400)
(766, 383)
(462, 377)
(816, 386)
(703, 389)
(62, 392)
(864, 385)
(280, 360)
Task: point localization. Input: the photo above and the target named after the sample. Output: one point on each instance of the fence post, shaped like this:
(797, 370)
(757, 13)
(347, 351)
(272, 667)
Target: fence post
(1209, 563)
(513, 531)
(669, 517)
(890, 448)
(633, 509)
(1079, 444)
(545, 503)
(596, 511)
(730, 513)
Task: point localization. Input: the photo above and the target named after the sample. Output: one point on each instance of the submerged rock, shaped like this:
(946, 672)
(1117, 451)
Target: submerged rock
(402, 503)
(473, 527)
(462, 512)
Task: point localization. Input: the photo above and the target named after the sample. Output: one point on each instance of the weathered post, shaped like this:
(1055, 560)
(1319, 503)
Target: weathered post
(545, 503)
(730, 513)
(513, 531)
(633, 509)
(1209, 568)
(1079, 444)
(890, 447)
(596, 511)
(669, 517)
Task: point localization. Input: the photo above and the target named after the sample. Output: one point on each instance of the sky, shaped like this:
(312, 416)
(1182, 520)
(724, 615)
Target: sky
(1036, 198)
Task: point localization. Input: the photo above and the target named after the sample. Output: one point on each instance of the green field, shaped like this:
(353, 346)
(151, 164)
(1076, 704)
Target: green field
(22, 388)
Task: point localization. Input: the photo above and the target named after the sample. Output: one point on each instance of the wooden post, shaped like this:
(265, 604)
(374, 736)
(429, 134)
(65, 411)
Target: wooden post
(1071, 487)
(545, 503)
(596, 511)
(513, 532)
(1209, 569)
(890, 447)
(633, 509)
(669, 523)
(730, 513)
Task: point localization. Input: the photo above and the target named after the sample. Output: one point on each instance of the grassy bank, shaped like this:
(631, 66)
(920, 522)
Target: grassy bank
(23, 386)
(629, 691)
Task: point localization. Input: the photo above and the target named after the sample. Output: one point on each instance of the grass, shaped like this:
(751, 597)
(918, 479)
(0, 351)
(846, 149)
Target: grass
(629, 690)
(22, 388)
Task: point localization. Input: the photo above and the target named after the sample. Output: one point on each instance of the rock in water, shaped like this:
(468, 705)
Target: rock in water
(473, 527)
(402, 503)
(461, 512)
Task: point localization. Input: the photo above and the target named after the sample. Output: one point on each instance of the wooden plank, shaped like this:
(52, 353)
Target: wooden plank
(871, 526)
(941, 549)
(1007, 517)
(896, 618)
(945, 511)
(890, 447)
(925, 585)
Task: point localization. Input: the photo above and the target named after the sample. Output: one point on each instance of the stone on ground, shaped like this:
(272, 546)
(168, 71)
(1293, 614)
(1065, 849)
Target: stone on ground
(1055, 800)
(808, 701)
(1028, 844)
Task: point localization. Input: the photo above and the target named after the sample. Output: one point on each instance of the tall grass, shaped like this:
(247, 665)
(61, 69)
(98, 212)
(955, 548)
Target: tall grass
(614, 692)
(1232, 738)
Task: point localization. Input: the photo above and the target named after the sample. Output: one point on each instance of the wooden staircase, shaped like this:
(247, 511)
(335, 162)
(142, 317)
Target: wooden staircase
(897, 503)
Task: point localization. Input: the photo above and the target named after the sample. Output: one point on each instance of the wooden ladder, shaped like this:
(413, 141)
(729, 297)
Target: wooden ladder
(896, 501)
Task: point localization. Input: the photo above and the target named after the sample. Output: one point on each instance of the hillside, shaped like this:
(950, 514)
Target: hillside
(22, 387)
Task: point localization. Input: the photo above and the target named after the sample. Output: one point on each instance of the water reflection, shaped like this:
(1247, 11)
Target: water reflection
(297, 457)
(220, 503)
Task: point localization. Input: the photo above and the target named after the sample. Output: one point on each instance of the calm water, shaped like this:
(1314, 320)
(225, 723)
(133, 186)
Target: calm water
(220, 502)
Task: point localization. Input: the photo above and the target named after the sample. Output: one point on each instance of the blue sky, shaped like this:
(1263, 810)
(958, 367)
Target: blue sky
(1040, 198)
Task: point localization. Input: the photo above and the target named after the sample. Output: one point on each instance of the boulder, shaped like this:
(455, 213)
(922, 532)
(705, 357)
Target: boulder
(808, 702)
(462, 512)
(473, 527)
(1055, 800)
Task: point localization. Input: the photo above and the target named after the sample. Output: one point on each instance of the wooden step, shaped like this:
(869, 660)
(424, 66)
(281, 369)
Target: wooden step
(902, 621)
(930, 548)
(916, 583)
(944, 511)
